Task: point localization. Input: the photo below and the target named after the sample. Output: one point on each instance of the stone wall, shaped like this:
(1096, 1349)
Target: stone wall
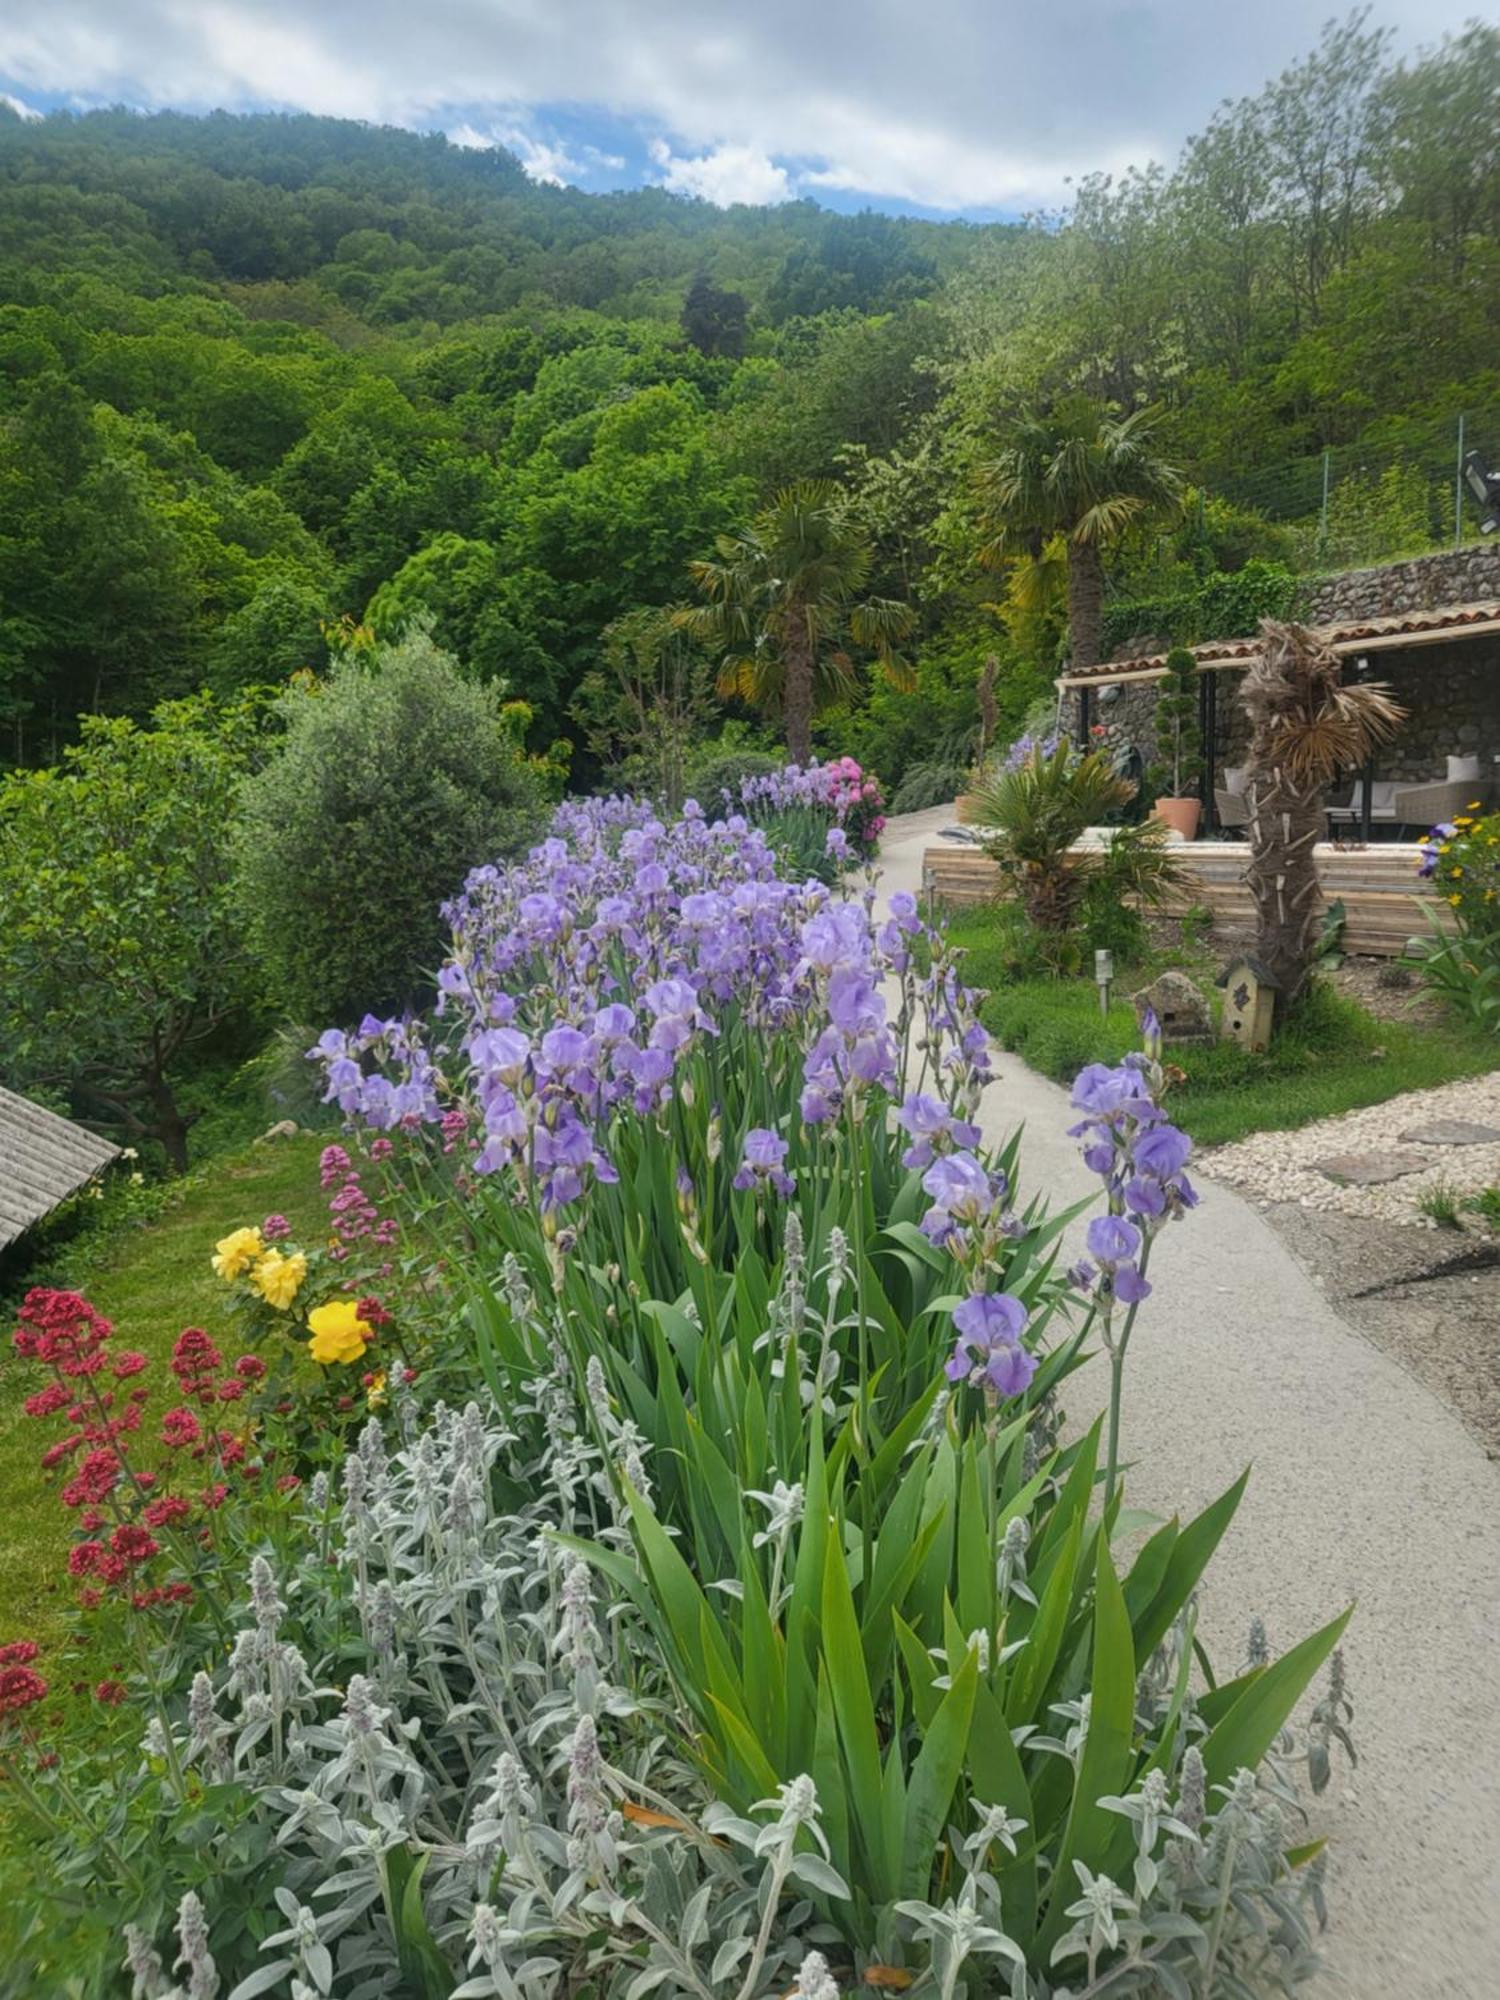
(1458, 576)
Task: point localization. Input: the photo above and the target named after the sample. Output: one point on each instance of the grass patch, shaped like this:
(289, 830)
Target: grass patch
(152, 1278)
(1333, 1057)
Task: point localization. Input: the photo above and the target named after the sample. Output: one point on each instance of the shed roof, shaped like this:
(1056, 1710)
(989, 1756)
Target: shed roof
(43, 1159)
(1347, 635)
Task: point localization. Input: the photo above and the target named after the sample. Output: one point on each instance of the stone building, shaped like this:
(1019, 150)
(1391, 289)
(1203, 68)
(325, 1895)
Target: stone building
(1430, 628)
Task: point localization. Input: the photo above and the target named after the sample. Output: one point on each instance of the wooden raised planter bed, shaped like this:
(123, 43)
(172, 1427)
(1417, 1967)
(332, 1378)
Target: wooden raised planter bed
(1385, 901)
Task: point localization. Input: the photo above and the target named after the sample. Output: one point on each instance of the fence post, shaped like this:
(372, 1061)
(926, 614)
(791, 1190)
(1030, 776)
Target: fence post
(1458, 487)
(1323, 515)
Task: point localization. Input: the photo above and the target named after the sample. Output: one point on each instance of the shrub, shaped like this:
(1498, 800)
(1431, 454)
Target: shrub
(122, 953)
(928, 785)
(397, 775)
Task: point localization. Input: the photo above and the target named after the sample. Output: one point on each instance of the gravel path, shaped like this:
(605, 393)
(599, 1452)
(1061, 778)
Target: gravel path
(1281, 1166)
(1365, 1487)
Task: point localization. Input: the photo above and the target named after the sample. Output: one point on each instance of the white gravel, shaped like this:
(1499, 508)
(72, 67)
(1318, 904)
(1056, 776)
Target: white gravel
(1279, 1166)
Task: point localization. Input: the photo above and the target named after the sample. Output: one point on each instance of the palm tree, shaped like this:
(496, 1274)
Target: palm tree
(1084, 473)
(782, 596)
(1307, 726)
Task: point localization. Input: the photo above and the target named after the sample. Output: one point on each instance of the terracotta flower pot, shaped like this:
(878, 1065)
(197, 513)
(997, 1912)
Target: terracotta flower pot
(1181, 815)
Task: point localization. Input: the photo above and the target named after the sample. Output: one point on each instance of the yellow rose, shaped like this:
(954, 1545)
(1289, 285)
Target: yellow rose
(375, 1394)
(278, 1279)
(234, 1252)
(338, 1332)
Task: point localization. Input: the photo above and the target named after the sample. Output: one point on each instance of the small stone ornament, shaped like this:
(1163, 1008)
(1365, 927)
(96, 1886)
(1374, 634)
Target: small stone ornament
(1181, 1008)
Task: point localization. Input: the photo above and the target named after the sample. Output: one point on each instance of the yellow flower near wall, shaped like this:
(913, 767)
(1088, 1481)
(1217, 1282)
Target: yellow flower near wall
(236, 1252)
(278, 1279)
(338, 1332)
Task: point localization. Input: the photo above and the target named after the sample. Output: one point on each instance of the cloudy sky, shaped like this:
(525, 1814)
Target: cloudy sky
(954, 107)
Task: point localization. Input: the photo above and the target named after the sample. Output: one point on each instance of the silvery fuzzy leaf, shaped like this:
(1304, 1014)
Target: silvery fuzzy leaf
(263, 1978)
(818, 1874)
(647, 1981)
(727, 1957)
(694, 1926)
(318, 1960)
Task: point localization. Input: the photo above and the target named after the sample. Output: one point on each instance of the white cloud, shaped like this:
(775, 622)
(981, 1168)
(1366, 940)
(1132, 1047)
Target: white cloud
(541, 159)
(19, 105)
(953, 104)
(724, 176)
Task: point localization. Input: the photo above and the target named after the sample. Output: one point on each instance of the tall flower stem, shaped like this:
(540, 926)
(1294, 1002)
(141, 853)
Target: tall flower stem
(1117, 1386)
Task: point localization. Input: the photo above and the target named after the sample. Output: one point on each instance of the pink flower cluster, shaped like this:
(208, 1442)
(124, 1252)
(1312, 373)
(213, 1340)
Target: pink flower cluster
(353, 1214)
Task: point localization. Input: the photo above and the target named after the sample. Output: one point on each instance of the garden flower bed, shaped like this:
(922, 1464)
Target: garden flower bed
(644, 1548)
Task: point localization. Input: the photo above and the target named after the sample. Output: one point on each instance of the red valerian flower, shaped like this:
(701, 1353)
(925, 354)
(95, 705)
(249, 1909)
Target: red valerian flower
(111, 1693)
(20, 1688)
(250, 1368)
(95, 1479)
(130, 1363)
(180, 1427)
(19, 1653)
(133, 1544)
(46, 1402)
(166, 1512)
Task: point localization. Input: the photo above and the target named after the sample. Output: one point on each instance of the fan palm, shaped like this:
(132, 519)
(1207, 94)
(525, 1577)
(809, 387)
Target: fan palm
(1083, 473)
(783, 597)
(1307, 726)
(1030, 814)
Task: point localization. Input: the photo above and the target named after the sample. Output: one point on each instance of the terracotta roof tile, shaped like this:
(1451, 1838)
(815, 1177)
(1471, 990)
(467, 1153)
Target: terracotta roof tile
(1344, 636)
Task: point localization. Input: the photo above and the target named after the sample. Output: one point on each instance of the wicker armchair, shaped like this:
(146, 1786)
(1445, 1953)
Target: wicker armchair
(1430, 805)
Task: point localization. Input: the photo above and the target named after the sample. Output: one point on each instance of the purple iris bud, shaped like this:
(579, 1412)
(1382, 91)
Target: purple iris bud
(1082, 1275)
(1151, 1033)
(1113, 1240)
(1099, 1158)
(1130, 1286)
(904, 911)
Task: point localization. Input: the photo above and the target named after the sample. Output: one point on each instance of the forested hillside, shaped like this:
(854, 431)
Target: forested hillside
(259, 375)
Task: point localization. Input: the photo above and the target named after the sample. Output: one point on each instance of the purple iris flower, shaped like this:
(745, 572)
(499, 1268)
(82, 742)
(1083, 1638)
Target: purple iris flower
(988, 1353)
(959, 1185)
(1161, 1150)
(1145, 1196)
(764, 1150)
(1112, 1240)
(1130, 1286)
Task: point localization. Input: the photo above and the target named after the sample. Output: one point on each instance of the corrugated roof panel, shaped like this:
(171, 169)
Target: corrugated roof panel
(43, 1159)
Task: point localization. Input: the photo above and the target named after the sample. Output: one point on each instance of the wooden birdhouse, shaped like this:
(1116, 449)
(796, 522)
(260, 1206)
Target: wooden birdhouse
(1250, 991)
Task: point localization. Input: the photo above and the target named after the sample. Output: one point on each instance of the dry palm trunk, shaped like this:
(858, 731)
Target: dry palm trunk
(797, 697)
(1307, 724)
(1085, 603)
(1286, 824)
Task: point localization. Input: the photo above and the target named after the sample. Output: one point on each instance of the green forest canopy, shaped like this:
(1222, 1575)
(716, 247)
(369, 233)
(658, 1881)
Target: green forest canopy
(259, 373)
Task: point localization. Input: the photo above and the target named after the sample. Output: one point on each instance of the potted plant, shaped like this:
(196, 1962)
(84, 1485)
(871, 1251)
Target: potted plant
(1177, 744)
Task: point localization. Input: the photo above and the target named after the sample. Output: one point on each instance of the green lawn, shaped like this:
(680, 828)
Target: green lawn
(1334, 1057)
(152, 1280)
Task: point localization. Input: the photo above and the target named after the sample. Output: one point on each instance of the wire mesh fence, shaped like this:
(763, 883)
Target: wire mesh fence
(1398, 490)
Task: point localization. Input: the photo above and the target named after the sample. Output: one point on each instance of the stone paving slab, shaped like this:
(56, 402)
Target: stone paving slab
(1451, 1132)
(1368, 1169)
